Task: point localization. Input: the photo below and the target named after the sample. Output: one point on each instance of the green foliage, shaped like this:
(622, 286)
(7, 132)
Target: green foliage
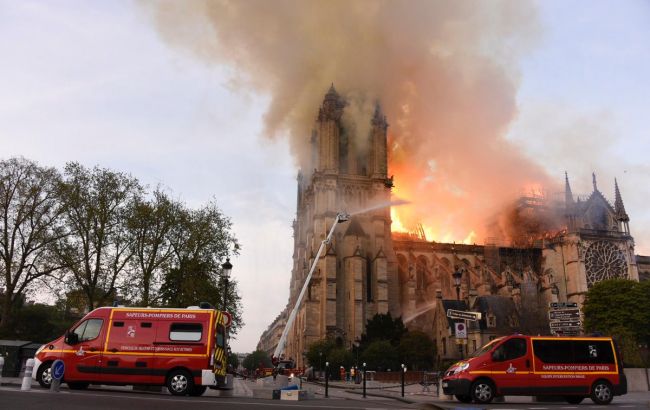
(94, 235)
(620, 308)
(253, 360)
(327, 351)
(37, 323)
(233, 361)
(318, 352)
(383, 327)
(417, 350)
(381, 355)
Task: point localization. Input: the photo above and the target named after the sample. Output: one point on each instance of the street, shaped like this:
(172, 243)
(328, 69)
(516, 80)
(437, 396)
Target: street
(107, 397)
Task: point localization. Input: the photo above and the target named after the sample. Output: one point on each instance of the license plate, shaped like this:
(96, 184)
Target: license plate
(444, 384)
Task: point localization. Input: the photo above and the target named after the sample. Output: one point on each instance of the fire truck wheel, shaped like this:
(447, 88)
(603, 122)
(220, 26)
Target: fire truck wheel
(464, 398)
(44, 375)
(180, 382)
(482, 391)
(198, 390)
(601, 392)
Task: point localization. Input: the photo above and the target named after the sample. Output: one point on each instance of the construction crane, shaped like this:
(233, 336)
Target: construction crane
(341, 217)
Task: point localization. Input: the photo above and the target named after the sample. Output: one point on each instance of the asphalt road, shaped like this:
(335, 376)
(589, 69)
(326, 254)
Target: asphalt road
(107, 398)
(11, 398)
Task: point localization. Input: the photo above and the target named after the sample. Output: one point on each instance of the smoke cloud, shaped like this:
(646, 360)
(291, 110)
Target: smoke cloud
(445, 73)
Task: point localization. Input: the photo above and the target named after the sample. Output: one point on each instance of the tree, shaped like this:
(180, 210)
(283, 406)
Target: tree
(381, 355)
(318, 352)
(417, 350)
(29, 227)
(97, 246)
(383, 327)
(620, 308)
(253, 360)
(150, 226)
(201, 240)
(233, 361)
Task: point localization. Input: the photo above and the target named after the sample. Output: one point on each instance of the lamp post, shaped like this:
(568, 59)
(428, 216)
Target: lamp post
(364, 380)
(458, 275)
(227, 268)
(403, 374)
(327, 378)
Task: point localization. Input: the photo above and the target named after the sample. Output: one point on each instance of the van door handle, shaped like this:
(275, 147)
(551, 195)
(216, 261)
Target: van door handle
(92, 349)
(113, 350)
(528, 363)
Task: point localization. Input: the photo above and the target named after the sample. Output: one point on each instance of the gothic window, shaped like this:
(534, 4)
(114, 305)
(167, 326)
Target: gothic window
(603, 260)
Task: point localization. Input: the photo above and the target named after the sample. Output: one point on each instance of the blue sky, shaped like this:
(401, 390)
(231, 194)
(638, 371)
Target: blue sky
(92, 82)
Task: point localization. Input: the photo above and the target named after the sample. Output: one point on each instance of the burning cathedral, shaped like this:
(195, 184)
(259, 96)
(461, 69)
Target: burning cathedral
(367, 269)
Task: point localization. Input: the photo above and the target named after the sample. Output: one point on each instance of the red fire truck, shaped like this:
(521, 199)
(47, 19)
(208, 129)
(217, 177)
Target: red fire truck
(573, 367)
(184, 349)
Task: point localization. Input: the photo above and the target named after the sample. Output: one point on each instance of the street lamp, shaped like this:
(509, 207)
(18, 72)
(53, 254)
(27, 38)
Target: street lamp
(457, 275)
(227, 268)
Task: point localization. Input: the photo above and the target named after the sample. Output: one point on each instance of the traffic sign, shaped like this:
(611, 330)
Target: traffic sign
(564, 314)
(562, 305)
(58, 368)
(565, 324)
(462, 314)
(461, 330)
(227, 319)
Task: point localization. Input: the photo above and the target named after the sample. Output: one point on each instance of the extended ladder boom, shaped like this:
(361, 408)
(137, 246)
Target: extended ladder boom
(342, 217)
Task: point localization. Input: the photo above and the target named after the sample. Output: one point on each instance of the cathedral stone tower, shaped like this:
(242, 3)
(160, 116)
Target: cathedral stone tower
(348, 173)
(596, 244)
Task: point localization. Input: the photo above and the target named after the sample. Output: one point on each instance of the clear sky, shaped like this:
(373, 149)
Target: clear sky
(93, 82)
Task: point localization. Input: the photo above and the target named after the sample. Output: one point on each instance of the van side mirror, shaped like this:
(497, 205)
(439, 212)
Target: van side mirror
(71, 338)
(497, 355)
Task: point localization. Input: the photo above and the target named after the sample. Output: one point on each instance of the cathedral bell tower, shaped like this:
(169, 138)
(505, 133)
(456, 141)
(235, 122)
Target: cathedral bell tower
(347, 173)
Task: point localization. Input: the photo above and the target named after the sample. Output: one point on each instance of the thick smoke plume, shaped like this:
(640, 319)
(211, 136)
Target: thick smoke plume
(445, 73)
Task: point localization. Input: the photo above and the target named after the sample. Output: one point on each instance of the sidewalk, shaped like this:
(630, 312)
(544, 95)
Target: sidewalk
(414, 394)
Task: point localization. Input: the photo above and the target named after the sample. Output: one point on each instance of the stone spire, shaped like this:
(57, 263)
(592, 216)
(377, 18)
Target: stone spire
(619, 208)
(593, 178)
(379, 119)
(568, 195)
(332, 107)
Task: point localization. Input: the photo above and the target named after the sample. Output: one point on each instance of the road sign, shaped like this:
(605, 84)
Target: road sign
(461, 314)
(58, 368)
(227, 319)
(461, 330)
(564, 314)
(565, 324)
(562, 305)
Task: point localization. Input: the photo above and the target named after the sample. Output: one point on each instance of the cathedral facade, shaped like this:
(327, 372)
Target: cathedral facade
(366, 269)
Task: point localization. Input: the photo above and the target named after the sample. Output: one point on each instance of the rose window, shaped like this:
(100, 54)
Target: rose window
(604, 260)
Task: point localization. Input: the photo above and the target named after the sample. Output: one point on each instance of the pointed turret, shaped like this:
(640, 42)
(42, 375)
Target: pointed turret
(568, 195)
(618, 205)
(332, 107)
(378, 118)
(593, 179)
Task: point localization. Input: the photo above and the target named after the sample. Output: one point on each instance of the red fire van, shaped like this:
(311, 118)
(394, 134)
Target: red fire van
(184, 349)
(573, 367)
